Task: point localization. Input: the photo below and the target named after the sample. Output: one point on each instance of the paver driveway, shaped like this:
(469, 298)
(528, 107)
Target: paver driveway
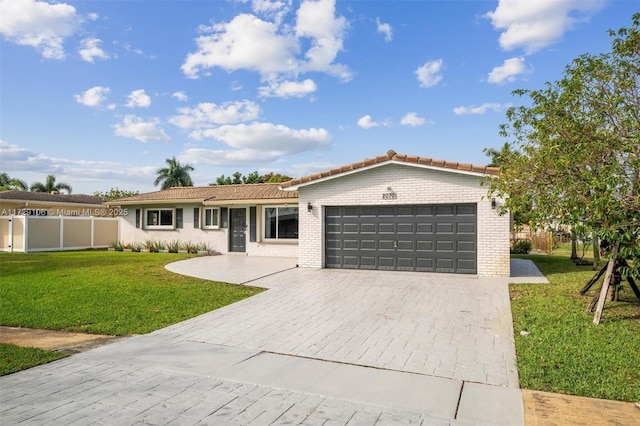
(299, 353)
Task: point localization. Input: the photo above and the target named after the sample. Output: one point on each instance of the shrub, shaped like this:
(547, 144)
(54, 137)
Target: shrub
(521, 247)
(116, 245)
(173, 246)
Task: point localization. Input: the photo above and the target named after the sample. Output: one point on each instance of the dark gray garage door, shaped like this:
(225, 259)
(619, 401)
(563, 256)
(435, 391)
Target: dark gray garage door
(429, 238)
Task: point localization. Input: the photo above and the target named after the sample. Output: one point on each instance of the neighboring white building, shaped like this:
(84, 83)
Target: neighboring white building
(391, 212)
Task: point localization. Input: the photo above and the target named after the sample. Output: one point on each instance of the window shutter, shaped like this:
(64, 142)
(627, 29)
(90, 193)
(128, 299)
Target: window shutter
(224, 217)
(252, 224)
(179, 218)
(137, 218)
(196, 217)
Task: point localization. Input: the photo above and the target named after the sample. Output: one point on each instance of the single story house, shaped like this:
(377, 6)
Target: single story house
(391, 212)
(255, 219)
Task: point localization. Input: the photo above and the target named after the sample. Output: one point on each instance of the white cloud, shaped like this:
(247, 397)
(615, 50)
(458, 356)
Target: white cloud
(246, 42)
(385, 29)
(22, 159)
(273, 48)
(271, 8)
(93, 97)
(534, 25)
(316, 19)
(41, 25)
(366, 122)
(207, 115)
(138, 98)
(508, 71)
(144, 131)
(288, 89)
(267, 137)
(477, 110)
(429, 74)
(181, 96)
(89, 50)
(412, 119)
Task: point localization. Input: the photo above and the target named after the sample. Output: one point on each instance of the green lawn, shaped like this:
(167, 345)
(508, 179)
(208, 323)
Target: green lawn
(15, 358)
(117, 293)
(565, 351)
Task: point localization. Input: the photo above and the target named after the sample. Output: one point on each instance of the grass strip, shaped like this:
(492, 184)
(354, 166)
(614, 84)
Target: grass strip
(15, 358)
(565, 352)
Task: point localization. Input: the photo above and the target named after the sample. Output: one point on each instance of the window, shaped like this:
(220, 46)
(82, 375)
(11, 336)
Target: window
(159, 218)
(211, 218)
(281, 223)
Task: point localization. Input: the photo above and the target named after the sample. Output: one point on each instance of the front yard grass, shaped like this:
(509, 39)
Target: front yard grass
(566, 352)
(116, 293)
(15, 358)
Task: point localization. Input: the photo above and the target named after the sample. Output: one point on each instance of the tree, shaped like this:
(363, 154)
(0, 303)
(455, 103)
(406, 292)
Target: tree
(50, 186)
(578, 147)
(115, 193)
(7, 183)
(175, 174)
(254, 177)
(499, 157)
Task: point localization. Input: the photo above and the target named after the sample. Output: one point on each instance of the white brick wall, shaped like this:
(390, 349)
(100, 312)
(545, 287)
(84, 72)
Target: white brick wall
(217, 239)
(413, 185)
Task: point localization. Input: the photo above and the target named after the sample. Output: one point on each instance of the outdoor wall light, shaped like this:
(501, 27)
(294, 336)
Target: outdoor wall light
(493, 203)
(309, 207)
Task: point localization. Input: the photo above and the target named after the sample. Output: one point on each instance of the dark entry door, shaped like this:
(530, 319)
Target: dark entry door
(238, 227)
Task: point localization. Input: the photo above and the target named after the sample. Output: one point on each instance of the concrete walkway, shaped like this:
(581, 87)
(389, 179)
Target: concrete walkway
(319, 347)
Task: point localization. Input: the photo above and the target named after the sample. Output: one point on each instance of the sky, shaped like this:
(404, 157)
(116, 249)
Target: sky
(100, 93)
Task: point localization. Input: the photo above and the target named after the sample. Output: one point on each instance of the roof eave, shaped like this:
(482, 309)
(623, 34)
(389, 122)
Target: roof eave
(372, 166)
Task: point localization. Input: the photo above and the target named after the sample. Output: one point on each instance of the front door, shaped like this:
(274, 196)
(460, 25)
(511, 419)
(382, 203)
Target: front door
(238, 226)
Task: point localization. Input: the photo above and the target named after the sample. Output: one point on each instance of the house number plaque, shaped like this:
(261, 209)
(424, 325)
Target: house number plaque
(389, 196)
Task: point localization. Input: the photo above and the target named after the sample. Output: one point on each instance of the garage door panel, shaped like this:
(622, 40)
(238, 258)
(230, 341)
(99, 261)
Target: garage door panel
(350, 245)
(444, 246)
(429, 238)
(424, 228)
(466, 210)
(405, 211)
(445, 228)
(445, 210)
(405, 245)
(424, 211)
(368, 245)
(368, 228)
(386, 262)
(350, 228)
(424, 245)
(386, 245)
(406, 228)
(466, 228)
(466, 246)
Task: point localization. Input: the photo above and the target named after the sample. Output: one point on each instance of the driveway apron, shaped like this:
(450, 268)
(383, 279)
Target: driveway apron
(321, 346)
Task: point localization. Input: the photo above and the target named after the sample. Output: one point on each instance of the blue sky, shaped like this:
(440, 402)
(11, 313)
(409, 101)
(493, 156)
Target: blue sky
(100, 93)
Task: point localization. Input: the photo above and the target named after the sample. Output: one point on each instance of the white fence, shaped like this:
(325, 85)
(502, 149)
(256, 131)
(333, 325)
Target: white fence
(55, 233)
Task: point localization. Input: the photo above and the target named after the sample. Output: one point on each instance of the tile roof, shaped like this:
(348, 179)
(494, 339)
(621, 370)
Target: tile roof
(258, 191)
(391, 155)
(16, 195)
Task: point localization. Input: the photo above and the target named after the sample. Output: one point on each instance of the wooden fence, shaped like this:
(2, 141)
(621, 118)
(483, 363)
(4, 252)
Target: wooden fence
(541, 241)
(55, 233)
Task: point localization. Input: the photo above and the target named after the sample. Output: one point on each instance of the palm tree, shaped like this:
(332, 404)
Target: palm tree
(7, 183)
(50, 186)
(174, 175)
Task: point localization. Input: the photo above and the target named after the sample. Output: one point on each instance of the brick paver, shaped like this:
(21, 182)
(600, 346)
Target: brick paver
(446, 326)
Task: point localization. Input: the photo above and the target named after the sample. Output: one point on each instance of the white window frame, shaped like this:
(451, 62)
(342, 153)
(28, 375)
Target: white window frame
(159, 210)
(203, 219)
(265, 223)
